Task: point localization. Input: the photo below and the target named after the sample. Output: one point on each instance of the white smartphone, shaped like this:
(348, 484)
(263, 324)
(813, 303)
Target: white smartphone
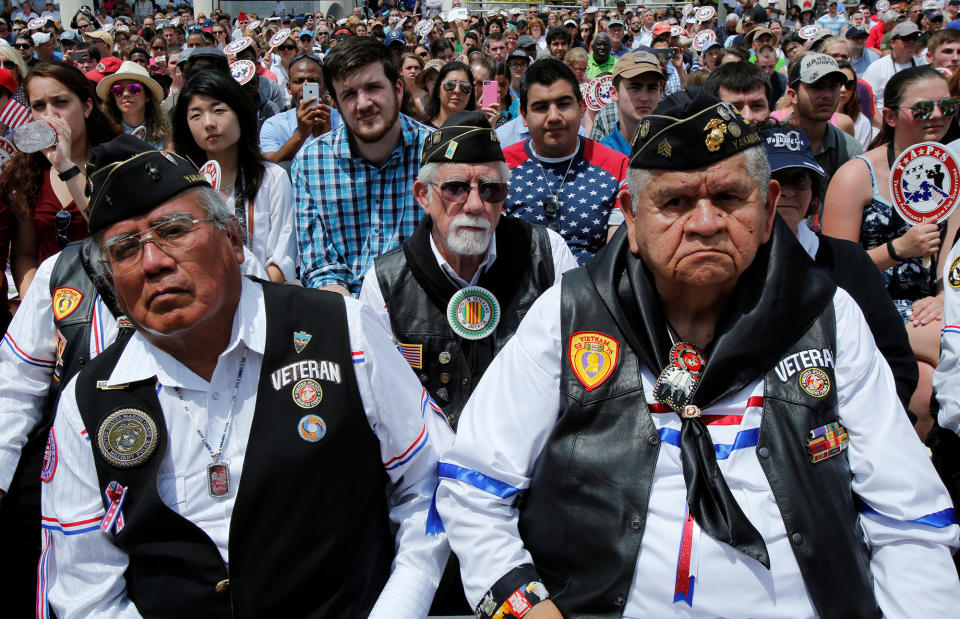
(311, 90)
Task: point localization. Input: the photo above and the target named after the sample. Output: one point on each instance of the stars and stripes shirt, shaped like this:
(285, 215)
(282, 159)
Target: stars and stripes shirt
(585, 189)
(907, 517)
(348, 210)
(82, 571)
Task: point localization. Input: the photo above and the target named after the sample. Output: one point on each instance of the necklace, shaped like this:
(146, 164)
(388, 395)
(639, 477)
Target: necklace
(218, 471)
(552, 205)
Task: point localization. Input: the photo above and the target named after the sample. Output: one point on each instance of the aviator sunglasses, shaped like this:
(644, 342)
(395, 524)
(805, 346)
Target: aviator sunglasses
(133, 88)
(923, 109)
(457, 191)
(465, 87)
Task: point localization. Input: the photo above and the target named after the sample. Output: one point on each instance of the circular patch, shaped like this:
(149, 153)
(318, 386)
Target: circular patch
(705, 13)
(243, 71)
(815, 382)
(127, 438)
(473, 313)
(282, 35)
(49, 458)
(237, 46)
(688, 357)
(311, 428)
(307, 393)
(734, 129)
(703, 38)
(807, 32)
(586, 89)
(445, 357)
(953, 276)
(925, 183)
(603, 90)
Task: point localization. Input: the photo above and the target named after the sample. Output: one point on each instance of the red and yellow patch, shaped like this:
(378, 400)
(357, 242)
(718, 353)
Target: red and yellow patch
(65, 301)
(593, 357)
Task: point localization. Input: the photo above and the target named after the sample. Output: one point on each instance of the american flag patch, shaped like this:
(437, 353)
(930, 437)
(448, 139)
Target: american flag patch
(413, 353)
(14, 114)
(358, 356)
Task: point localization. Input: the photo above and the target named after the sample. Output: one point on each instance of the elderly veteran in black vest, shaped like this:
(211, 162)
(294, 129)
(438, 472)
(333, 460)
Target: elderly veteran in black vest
(244, 452)
(697, 422)
(455, 292)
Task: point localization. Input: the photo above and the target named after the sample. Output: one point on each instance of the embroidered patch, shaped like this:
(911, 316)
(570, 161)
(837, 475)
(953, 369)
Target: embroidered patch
(953, 276)
(307, 393)
(827, 441)
(65, 301)
(593, 357)
(300, 340)
(412, 353)
(49, 458)
(311, 428)
(473, 313)
(815, 382)
(127, 438)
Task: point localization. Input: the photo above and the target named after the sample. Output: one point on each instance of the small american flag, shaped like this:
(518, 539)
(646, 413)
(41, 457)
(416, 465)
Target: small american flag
(15, 112)
(413, 353)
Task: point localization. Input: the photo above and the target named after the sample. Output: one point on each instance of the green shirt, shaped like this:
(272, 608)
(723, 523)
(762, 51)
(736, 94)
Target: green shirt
(594, 69)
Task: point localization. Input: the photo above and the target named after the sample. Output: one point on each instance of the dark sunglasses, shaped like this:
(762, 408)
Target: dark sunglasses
(424, 54)
(133, 88)
(923, 109)
(23, 46)
(287, 48)
(9, 65)
(458, 191)
(798, 179)
(219, 32)
(465, 87)
(62, 221)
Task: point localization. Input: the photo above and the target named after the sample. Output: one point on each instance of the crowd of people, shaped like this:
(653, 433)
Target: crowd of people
(534, 312)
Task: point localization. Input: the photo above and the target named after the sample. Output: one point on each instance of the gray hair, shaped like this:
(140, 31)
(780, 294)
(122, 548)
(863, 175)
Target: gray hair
(205, 197)
(428, 171)
(757, 167)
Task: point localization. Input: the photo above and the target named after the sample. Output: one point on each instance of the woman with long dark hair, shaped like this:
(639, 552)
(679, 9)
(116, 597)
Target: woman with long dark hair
(917, 108)
(212, 121)
(452, 92)
(43, 190)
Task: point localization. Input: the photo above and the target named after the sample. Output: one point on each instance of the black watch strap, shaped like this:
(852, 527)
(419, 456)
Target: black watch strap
(65, 176)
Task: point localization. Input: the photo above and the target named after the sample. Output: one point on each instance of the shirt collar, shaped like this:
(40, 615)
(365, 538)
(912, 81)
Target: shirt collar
(141, 360)
(409, 130)
(452, 275)
(809, 240)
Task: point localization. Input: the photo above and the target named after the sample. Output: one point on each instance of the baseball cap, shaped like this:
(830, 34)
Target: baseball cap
(103, 35)
(526, 41)
(39, 38)
(756, 32)
(570, 22)
(814, 67)
(395, 36)
(788, 147)
(853, 32)
(518, 53)
(905, 30)
(660, 28)
(305, 33)
(8, 81)
(105, 67)
(616, 22)
(637, 63)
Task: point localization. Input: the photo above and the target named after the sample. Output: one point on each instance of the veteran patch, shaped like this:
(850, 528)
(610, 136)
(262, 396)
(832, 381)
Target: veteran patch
(127, 437)
(307, 393)
(300, 340)
(49, 466)
(593, 357)
(65, 301)
(473, 313)
(311, 428)
(815, 382)
(953, 276)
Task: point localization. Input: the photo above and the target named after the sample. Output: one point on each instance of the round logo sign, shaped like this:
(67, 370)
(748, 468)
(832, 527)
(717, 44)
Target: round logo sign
(586, 90)
(881, 6)
(7, 150)
(311, 428)
(253, 25)
(953, 276)
(36, 23)
(815, 382)
(423, 27)
(703, 38)
(602, 92)
(705, 13)
(282, 35)
(243, 71)
(237, 46)
(473, 313)
(925, 183)
(107, 27)
(807, 32)
(127, 437)
(307, 393)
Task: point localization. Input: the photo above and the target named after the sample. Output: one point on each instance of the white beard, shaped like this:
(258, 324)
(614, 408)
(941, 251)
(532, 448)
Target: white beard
(468, 242)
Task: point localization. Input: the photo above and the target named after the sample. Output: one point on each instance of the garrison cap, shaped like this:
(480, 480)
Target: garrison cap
(466, 137)
(690, 129)
(127, 177)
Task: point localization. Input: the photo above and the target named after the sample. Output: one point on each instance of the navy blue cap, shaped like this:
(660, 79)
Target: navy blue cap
(788, 147)
(395, 36)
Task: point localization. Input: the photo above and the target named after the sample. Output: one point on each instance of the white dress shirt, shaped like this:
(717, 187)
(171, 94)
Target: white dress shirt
(82, 571)
(946, 378)
(908, 526)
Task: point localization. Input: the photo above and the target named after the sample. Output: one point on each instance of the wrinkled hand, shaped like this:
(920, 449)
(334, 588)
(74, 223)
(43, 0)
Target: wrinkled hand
(926, 310)
(59, 154)
(920, 240)
(312, 116)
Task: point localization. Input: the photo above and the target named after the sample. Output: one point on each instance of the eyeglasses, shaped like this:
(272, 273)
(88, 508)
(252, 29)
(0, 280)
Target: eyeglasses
(457, 192)
(62, 221)
(850, 84)
(23, 46)
(465, 87)
(158, 48)
(424, 54)
(287, 48)
(799, 180)
(924, 109)
(219, 32)
(133, 88)
(517, 66)
(173, 236)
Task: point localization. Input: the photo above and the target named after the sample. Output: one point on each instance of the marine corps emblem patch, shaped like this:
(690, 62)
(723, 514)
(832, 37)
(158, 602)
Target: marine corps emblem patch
(815, 382)
(953, 276)
(593, 357)
(65, 301)
(127, 438)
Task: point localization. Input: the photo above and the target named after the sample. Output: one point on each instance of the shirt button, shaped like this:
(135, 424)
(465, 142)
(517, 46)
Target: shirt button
(216, 395)
(796, 538)
(376, 229)
(424, 378)
(653, 441)
(763, 452)
(466, 381)
(223, 585)
(620, 600)
(636, 525)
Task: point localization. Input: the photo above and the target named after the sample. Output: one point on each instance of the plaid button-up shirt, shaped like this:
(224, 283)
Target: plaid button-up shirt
(348, 210)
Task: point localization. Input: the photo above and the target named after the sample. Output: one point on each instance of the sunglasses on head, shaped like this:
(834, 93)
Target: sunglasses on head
(458, 191)
(133, 88)
(465, 87)
(922, 110)
(62, 221)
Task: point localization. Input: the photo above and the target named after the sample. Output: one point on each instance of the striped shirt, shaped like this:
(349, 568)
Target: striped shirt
(348, 210)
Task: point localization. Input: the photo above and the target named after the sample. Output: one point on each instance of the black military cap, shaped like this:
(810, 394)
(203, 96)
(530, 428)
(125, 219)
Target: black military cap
(127, 177)
(690, 129)
(466, 137)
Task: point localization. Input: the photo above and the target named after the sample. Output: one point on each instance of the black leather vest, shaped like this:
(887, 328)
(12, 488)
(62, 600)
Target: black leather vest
(416, 320)
(309, 534)
(584, 516)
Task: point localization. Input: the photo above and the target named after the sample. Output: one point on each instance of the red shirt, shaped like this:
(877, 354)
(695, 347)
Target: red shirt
(44, 220)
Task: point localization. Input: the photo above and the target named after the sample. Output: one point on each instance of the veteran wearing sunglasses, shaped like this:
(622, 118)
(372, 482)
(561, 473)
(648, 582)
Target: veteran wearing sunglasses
(226, 378)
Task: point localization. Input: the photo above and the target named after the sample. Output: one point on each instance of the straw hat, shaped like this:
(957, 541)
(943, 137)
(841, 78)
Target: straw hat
(130, 71)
